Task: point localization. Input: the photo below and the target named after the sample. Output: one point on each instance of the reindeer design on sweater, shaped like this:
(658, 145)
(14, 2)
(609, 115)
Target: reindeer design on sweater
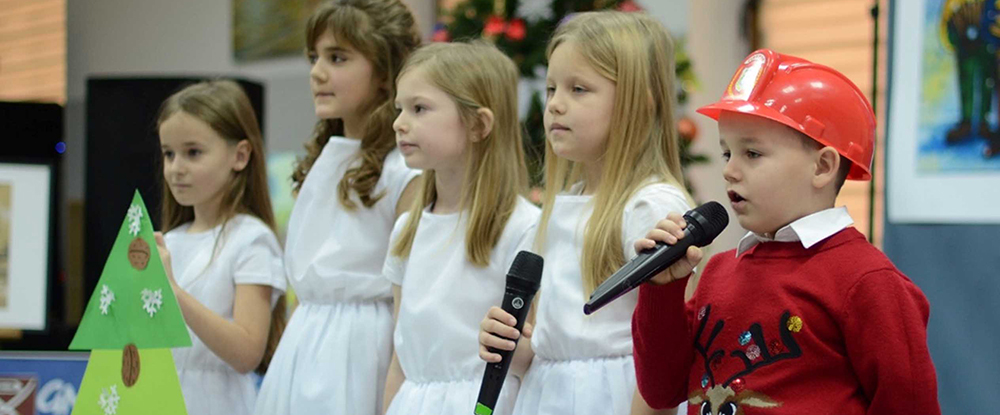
(731, 396)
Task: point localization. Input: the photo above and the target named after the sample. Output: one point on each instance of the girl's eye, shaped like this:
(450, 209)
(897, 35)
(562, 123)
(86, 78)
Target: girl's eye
(419, 108)
(168, 155)
(550, 90)
(752, 154)
(579, 89)
(312, 58)
(725, 155)
(336, 58)
(194, 152)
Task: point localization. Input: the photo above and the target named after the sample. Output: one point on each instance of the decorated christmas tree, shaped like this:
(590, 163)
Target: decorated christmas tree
(130, 324)
(521, 29)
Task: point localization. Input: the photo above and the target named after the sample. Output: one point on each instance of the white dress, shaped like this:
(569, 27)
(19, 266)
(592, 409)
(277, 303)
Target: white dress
(337, 346)
(583, 364)
(444, 297)
(247, 253)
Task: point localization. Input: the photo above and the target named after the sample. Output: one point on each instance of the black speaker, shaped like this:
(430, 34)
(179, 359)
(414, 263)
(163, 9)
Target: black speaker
(123, 154)
(32, 133)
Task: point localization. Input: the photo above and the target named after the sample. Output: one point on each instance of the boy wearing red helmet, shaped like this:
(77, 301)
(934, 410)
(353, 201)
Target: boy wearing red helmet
(805, 314)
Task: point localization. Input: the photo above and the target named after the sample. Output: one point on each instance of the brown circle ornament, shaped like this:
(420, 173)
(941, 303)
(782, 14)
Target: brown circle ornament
(138, 253)
(130, 365)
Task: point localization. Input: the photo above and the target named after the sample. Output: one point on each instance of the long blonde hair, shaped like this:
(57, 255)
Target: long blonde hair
(475, 75)
(224, 106)
(385, 33)
(634, 51)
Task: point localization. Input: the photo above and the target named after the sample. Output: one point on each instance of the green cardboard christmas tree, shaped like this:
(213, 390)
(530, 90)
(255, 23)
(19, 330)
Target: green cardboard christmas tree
(130, 324)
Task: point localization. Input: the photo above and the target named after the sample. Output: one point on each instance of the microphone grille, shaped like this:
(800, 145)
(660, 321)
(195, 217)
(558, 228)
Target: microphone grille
(713, 218)
(527, 266)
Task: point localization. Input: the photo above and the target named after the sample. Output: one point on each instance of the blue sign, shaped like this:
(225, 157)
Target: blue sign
(40, 383)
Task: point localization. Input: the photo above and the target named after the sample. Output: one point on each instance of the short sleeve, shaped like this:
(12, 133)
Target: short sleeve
(521, 228)
(397, 175)
(394, 267)
(649, 205)
(260, 261)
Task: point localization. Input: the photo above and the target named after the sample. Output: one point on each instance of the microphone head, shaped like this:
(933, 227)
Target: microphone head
(527, 267)
(709, 220)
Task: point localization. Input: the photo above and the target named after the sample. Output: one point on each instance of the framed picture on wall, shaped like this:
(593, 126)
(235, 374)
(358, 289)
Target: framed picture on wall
(270, 28)
(25, 211)
(943, 148)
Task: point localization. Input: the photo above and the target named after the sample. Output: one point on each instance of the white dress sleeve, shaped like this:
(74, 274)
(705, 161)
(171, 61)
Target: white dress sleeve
(649, 205)
(394, 266)
(397, 175)
(260, 261)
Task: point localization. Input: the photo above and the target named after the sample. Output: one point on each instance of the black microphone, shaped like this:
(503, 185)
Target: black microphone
(704, 223)
(522, 283)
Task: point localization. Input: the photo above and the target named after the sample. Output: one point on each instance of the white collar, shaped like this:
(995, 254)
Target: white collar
(809, 230)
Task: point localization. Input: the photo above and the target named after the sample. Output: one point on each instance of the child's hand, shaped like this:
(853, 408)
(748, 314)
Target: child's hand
(496, 324)
(165, 258)
(668, 231)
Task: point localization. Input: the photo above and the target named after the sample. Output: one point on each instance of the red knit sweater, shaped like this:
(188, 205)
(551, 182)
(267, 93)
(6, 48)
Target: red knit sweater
(784, 330)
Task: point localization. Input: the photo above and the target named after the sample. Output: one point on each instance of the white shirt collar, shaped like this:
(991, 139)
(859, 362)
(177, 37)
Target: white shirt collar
(809, 230)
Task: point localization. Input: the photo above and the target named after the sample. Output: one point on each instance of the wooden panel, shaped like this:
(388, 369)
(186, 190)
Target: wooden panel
(33, 50)
(839, 34)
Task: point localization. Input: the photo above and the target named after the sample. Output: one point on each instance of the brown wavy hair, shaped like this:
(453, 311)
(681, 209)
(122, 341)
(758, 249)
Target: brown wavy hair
(384, 32)
(224, 106)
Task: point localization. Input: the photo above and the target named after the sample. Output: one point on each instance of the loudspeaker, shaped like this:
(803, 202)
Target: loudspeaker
(32, 134)
(123, 154)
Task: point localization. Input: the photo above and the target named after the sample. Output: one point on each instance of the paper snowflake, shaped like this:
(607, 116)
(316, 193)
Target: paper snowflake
(151, 301)
(107, 297)
(134, 215)
(109, 400)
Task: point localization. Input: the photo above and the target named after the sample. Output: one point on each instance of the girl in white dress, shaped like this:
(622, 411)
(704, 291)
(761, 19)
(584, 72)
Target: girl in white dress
(457, 121)
(220, 252)
(611, 163)
(336, 349)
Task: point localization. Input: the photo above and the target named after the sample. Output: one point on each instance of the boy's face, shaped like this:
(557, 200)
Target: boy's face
(769, 172)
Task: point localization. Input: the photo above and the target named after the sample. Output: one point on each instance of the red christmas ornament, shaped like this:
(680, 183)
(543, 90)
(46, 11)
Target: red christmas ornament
(738, 385)
(516, 30)
(495, 25)
(629, 6)
(441, 35)
(687, 129)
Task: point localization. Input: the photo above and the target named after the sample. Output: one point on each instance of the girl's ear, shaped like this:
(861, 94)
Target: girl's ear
(485, 127)
(243, 151)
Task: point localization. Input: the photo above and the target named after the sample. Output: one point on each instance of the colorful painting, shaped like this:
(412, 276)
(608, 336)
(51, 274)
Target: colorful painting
(270, 28)
(959, 128)
(943, 136)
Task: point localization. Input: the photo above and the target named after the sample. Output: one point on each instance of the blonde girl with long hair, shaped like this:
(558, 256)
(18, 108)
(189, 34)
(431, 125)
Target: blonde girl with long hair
(220, 250)
(457, 122)
(351, 187)
(611, 164)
